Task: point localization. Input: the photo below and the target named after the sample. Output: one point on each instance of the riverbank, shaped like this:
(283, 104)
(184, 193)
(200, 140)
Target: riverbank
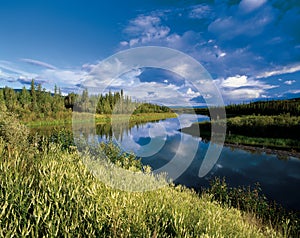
(281, 154)
(283, 147)
(101, 118)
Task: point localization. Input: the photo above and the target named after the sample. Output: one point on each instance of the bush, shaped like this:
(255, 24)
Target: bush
(12, 132)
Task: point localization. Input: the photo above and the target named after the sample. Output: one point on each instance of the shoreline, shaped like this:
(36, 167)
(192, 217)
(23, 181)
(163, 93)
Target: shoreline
(281, 152)
(267, 150)
(102, 118)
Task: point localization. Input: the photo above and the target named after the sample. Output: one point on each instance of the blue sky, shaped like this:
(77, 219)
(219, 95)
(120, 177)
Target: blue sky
(251, 48)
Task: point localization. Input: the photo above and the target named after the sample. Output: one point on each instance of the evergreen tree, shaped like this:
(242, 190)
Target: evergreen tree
(25, 99)
(10, 98)
(33, 97)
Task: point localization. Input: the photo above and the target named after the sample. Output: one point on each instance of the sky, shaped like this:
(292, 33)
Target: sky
(251, 48)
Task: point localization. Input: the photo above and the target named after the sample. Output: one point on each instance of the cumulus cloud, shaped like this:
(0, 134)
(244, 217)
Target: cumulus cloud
(192, 94)
(145, 29)
(62, 76)
(240, 87)
(289, 82)
(236, 81)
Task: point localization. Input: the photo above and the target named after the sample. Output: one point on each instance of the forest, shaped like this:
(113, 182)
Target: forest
(268, 108)
(39, 104)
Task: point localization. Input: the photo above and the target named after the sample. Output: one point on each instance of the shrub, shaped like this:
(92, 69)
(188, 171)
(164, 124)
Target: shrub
(12, 132)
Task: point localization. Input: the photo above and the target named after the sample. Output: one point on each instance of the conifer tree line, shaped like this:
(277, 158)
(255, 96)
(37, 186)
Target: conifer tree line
(268, 108)
(116, 103)
(37, 103)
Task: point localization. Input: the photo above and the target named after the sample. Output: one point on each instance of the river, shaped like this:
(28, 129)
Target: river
(162, 146)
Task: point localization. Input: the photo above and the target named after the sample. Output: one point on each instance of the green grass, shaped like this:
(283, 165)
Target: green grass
(257, 131)
(275, 143)
(101, 118)
(50, 192)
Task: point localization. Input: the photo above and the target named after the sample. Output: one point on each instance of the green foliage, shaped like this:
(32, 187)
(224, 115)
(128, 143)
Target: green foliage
(12, 132)
(274, 143)
(58, 196)
(279, 132)
(268, 108)
(115, 103)
(251, 200)
(2, 102)
(273, 107)
(280, 126)
(36, 104)
(121, 159)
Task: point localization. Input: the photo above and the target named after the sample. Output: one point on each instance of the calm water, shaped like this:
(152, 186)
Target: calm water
(164, 148)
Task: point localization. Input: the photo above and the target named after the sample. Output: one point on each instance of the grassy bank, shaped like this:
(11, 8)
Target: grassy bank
(53, 194)
(46, 190)
(272, 143)
(275, 132)
(102, 118)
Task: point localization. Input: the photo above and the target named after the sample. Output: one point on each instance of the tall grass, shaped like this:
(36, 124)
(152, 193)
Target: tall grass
(57, 196)
(253, 201)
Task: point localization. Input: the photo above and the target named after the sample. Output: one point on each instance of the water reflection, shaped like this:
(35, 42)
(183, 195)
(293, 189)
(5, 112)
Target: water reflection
(158, 143)
(279, 178)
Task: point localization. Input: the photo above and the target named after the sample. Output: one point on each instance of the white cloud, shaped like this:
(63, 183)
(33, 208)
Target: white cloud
(229, 26)
(240, 87)
(145, 29)
(182, 69)
(283, 70)
(107, 74)
(62, 76)
(133, 42)
(191, 94)
(235, 81)
(294, 91)
(124, 43)
(290, 82)
(12, 73)
(38, 63)
(3, 74)
(200, 12)
(223, 54)
(250, 5)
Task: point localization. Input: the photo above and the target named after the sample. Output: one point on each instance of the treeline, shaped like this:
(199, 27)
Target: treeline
(116, 103)
(38, 104)
(32, 104)
(267, 108)
(272, 107)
